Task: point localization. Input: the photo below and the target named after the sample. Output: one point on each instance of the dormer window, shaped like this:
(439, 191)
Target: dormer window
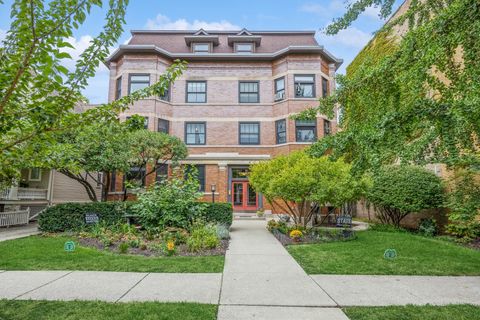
(244, 47)
(201, 48)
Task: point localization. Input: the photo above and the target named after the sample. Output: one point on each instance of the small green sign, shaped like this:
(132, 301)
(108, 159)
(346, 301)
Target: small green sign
(390, 254)
(69, 246)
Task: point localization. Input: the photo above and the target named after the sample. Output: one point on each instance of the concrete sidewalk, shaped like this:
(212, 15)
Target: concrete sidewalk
(260, 280)
(18, 232)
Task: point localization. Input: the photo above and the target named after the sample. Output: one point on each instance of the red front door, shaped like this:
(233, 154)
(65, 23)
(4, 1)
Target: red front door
(243, 196)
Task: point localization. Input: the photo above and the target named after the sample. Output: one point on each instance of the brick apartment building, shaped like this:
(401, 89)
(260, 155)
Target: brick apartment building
(232, 104)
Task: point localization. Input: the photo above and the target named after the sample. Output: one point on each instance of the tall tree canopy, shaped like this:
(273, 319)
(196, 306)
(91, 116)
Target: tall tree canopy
(413, 99)
(38, 93)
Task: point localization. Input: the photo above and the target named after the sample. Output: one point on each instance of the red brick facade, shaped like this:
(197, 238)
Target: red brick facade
(276, 55)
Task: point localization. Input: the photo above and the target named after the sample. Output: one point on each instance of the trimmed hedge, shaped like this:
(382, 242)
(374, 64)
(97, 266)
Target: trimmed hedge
(219, 213)
(71, 216)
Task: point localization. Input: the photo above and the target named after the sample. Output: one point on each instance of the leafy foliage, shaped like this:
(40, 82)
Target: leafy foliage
(218, 213)
(151, 149)
(294, 183)
(400, 190)
(71, 216)
(464, 205)
(38, 93)
(415, 100)
(171, 203)
(202, 237)
(428, 227)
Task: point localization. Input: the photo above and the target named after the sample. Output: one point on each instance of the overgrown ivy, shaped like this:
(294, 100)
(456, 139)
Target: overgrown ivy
(416, 101)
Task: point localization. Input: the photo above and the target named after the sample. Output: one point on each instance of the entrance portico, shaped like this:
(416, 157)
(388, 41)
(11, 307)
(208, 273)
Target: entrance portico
(229, 173)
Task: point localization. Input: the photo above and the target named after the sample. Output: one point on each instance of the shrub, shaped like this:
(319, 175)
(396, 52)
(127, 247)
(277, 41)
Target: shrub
(202, 237)
(172, 203)
(464, 205)
(218, 213)
(400, 190)
(71, 216)
(222, 232)
(428, 227)
(123, 247)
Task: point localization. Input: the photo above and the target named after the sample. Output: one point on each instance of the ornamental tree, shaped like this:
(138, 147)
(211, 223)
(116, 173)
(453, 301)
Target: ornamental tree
(397, 191)
(38, 93)
(297, 182)
(150, 149)
(82, 153)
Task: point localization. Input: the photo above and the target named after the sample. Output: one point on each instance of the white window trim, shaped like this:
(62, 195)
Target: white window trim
(30, 175)
(248, 43)
(201, 43)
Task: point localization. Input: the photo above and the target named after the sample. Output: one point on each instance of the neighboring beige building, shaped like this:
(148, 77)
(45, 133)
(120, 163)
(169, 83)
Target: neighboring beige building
(232, 104)
(39, 188)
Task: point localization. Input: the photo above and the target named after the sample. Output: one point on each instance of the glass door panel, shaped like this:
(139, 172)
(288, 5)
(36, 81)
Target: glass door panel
(238, 194)
(251, 196)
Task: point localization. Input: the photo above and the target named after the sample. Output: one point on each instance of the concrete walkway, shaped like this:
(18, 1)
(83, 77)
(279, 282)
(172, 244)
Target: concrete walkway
(18, 232)
(260, 280)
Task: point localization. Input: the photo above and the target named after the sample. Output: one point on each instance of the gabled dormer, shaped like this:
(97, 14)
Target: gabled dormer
(201, 42)
(244, 42)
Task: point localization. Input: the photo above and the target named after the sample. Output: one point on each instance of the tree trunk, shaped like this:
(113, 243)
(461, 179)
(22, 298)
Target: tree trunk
(84, 182)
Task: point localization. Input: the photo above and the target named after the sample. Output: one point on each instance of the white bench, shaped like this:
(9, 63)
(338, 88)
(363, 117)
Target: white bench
(13, 218)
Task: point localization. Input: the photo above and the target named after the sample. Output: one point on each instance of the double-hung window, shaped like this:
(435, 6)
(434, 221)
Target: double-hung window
(201, 48)
(280, 89)
(249, 133)
(248, 92)
(161, 172)
(118, 88)
(324, 87)
(304, 86)
(327, 127)
(137, 82)
(281, 131)
(306, 130)
(195, 132)
(196, 91)
(244, 47)
(163, 126)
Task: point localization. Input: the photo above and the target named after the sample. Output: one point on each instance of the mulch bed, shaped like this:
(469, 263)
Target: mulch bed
(475, 244)
(181, 250)
(311, 238)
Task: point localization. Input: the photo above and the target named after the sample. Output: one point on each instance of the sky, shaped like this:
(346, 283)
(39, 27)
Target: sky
(223, 15)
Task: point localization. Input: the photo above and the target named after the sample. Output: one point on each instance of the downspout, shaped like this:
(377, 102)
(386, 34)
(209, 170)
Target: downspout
(50, 188)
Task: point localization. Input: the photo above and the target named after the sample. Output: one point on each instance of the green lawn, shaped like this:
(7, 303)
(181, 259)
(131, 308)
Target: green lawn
(457, 312)
(92, 310)
(416, 256)
(46, 253)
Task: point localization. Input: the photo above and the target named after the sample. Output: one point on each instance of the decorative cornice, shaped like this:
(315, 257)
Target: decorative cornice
(123, 49)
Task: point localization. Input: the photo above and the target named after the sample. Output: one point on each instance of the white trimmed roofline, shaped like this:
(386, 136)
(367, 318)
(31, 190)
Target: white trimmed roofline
(148, 48)
(223, 31)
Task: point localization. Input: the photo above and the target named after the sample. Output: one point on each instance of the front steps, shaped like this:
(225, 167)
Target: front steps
(247, 216)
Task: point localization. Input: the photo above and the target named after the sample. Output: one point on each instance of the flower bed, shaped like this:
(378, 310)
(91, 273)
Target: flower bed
(200, 240)
(291, 234)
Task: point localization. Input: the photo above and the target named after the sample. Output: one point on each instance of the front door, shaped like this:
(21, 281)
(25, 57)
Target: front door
(244, 197)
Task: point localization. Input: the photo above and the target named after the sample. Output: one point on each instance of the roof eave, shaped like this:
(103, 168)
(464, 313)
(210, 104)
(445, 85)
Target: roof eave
(227, 56)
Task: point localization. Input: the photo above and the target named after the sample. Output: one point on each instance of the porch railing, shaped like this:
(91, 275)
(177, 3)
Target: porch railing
(13, 218)
(14, 193)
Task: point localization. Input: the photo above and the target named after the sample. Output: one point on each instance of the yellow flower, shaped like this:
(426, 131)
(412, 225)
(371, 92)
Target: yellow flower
(170, 245)
(296, 234)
